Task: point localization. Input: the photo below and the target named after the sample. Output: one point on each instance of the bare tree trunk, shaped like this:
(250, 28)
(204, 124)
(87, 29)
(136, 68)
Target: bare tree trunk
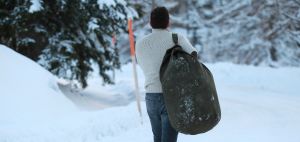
(153, 4)
(188, 19)
(221, 2)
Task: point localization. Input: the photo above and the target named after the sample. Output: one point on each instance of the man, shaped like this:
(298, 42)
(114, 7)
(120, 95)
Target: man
(150, 51)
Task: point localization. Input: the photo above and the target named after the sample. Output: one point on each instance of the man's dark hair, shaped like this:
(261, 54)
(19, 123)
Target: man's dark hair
(159, 18)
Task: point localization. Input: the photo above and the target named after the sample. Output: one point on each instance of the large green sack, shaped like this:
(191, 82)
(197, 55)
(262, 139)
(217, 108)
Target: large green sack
(189, 92)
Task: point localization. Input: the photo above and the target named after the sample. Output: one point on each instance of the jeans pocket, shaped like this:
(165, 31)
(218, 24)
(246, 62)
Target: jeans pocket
(150, 105)
(150, 97)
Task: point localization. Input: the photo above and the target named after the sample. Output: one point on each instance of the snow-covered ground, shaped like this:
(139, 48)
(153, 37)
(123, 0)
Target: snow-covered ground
(259, 104)
(27, 91)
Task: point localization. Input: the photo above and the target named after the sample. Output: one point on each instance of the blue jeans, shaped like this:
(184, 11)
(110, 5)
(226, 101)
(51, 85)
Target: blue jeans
(161, 127)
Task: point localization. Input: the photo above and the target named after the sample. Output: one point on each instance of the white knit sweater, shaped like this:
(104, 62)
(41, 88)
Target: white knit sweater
(150, 51)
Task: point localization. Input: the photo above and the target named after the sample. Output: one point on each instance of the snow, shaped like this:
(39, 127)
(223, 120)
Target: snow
(111, 5)
(93, 24)
(35, 6)
(131, 13)
(258, 104)
(26, 41)
(108, 3)
(28, 92)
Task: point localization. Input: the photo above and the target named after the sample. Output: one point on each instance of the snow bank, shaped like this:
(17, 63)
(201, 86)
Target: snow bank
(108, 125)
(124, 84)
(27, 91)
(259, 104)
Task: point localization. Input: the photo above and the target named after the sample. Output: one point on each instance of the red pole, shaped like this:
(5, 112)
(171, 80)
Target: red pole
(131, 38)
(132, 54)
(114, 41)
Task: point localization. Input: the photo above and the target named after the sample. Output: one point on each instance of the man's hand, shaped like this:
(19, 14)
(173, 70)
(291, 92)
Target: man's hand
(194, 54)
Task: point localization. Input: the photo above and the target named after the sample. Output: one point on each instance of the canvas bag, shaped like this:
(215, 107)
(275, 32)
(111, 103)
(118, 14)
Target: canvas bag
(189, 92)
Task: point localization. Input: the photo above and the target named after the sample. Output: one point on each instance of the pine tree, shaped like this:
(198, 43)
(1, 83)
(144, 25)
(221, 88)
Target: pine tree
(16, 26)
(66, 36)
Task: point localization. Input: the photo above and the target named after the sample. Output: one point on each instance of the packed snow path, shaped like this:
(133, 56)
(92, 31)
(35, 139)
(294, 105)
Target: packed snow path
(258, 104)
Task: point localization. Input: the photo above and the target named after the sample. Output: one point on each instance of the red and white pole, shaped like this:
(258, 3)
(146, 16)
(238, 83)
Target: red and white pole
(132, 54)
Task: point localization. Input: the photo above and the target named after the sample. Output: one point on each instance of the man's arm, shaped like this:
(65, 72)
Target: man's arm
(186, 45)
(137, 52)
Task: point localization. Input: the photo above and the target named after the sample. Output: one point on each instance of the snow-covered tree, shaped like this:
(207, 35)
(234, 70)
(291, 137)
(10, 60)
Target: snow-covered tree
(16, 26)
(241, 31)
(66, 36)
(253, 32)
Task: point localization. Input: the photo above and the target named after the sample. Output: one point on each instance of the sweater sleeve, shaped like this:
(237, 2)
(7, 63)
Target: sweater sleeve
(186, 45)
(137, 52)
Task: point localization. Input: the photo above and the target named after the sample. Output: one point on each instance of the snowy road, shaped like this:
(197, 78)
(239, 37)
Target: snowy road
(257, 115)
